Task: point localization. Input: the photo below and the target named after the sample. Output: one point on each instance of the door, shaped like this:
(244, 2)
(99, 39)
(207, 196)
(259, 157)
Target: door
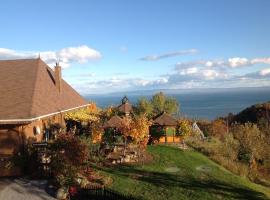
(10, 145)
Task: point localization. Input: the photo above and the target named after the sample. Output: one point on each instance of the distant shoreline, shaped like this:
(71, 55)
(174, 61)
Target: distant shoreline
(204, 104)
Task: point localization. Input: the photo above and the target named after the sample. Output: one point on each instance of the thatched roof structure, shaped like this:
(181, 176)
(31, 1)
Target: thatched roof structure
(164, 119)
(114, 122)
(125, 108)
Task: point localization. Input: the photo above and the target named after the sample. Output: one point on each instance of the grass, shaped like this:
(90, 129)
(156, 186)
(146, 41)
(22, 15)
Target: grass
(195, 177)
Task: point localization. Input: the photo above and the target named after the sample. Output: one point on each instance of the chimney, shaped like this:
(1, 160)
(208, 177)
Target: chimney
(58, 77)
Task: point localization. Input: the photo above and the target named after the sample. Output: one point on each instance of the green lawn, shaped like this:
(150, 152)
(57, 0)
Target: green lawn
(197, 178)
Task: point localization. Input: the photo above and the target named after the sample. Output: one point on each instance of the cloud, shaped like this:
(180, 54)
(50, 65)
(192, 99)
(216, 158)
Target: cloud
(200, 64)
(66, 56)
(260, 60)
(236, 62)
(233, 62)
(261, 74)
(116, 84)
(188, 71)
(265, 72)
(211, 73)
(170, 54)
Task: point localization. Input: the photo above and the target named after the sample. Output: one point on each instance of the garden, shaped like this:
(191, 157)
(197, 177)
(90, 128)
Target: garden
(105, 154)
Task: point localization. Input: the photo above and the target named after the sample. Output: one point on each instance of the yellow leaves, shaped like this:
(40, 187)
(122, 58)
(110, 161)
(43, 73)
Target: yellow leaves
(137, 128)
(141, 127)
(93, 108)
(184, 127)
(97, 132)
(88, 114)
(125, 127)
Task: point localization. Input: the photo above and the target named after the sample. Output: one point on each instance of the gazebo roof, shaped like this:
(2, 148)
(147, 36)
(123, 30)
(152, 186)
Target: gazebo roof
(164, 119)
(125, 108)
(114, 122)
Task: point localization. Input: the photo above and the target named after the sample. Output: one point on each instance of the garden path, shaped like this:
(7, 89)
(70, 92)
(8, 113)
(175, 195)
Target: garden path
(23, 189)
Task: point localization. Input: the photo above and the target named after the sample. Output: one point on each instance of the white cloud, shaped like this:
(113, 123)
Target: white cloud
(233, 62)
(236, 62)
(188, 71)
(200, 63)
(170, 54)
(265, 72)
(66, 56)
(261, 60)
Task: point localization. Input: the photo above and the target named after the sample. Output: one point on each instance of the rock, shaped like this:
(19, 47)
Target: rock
(127, 159)
(122, 160)
(62, 193)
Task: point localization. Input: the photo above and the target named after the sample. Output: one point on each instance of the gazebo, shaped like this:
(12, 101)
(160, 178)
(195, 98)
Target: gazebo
(114, 122)
(164, 129)
(125, 107)
(112, 127)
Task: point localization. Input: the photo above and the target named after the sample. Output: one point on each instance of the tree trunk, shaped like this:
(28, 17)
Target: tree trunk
(125, 147)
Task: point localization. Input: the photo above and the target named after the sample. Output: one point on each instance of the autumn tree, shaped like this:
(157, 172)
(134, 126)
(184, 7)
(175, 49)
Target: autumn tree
(89, 116)
(251, 141)
(184, 128)
(140, 130)
(125, 129)
(219, 128)
(106, 113)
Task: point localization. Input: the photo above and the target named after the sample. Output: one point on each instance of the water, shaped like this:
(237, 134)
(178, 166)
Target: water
(204, 104)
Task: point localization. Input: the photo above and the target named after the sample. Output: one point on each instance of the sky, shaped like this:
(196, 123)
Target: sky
(109, 46)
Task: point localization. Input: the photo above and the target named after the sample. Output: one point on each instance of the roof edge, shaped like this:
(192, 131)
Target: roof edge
(23, 121)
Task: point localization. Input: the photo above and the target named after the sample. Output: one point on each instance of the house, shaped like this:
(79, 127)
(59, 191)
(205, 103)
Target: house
(32, 97)
(163, 129)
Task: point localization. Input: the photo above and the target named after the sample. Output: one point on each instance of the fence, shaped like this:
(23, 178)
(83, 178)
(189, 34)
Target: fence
(100, 194)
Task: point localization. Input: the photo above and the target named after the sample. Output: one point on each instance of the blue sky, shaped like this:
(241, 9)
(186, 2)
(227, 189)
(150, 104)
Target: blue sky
(110, 46)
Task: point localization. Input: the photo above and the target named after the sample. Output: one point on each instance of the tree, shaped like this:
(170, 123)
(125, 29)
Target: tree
(219, 128)
(125, 128)
(107, 113)
(140, 130)
(251, 141)
(144, 106)
(184, 128)
(158, 103)
(171, 105)
(90, 117)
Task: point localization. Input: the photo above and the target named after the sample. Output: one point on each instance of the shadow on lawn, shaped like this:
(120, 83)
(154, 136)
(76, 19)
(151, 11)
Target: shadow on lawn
(187, 182)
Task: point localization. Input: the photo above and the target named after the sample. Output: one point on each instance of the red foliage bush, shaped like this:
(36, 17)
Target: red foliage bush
(69, 156)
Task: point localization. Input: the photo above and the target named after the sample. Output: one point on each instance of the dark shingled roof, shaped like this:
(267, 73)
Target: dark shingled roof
(164, 119)
(27, 91)
(114, 122)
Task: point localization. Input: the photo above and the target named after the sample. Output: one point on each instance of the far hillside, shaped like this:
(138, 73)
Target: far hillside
(254, 114)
